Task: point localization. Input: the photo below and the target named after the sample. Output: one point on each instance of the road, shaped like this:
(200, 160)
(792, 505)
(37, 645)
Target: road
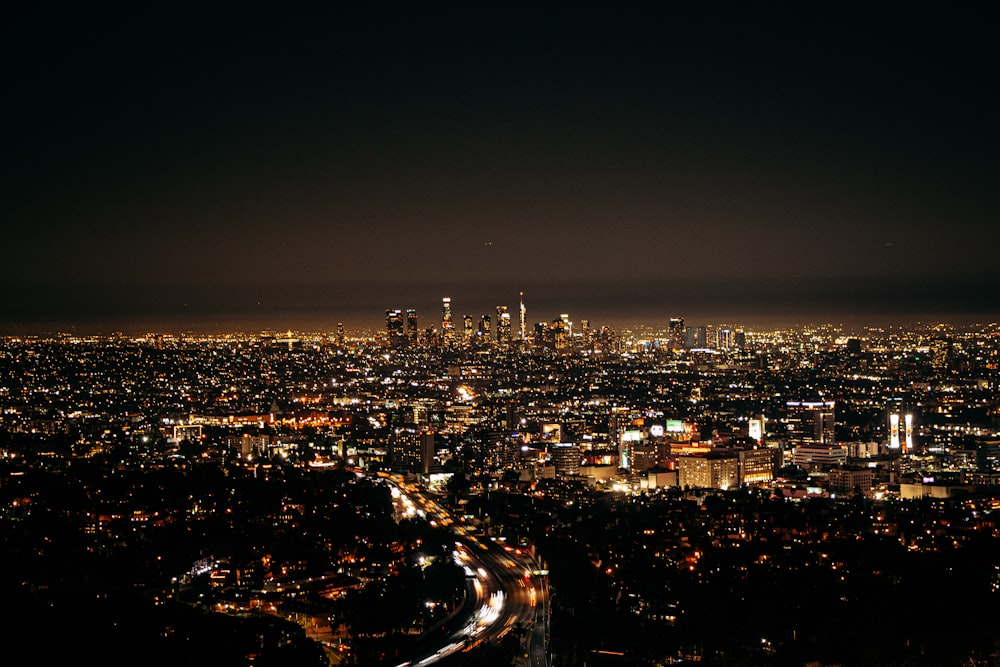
(506, 593)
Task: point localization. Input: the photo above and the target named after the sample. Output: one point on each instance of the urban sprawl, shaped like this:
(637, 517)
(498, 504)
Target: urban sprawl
(488, 491)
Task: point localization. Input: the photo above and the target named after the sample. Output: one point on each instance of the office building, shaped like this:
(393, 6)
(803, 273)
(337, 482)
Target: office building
(485, 331)
(566, 459)
(412, 450)
(811, 422)
(819, 457)
(447, 324)
(395, 336)
(411, 327)
(724, 339)
(503, 328)
(846, 481)
(757, 466)
(676, 333)
(708, 471)
(701, 338)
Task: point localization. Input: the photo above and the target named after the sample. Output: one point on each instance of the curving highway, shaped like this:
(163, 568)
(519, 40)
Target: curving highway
(503, 594)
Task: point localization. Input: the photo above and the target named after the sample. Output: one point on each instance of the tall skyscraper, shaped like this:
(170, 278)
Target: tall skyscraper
(900, 425)
(447, 325)
(676, 332)
(411, 327)
(503, 328)
(562, 330)
(467, 339)
(485, 331)
(394, 328)
(524, 333)
(340, 334)
(701, 338)
(724, 339)
(543, 336)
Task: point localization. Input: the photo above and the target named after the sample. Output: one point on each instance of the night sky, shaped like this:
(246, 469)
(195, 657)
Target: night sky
(174, 169)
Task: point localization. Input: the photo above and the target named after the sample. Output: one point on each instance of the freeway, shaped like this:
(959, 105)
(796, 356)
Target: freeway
(505, 594)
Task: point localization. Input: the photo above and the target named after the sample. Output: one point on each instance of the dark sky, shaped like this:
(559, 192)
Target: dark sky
(271, 168)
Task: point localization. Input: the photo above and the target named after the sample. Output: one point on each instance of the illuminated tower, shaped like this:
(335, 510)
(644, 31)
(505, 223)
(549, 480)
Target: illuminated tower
(447, 325)
(411, 327)
(485, 331)
(503, 328)
(394, 328)
(724, 339)
(756, 427)
(900, 426)
(467, 319)
(562, 332)
(524, 333)
(676, 332)
(340, 334)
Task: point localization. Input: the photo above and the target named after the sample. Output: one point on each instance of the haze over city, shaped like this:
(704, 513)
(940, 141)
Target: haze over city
(254, 169)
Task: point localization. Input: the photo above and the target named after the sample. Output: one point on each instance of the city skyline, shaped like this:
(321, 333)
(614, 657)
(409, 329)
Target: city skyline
(249, 170)
(362, 320)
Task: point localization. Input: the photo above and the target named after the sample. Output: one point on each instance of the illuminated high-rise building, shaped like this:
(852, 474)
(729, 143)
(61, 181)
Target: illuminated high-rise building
(503, 328)
(676, 333)
(340, 334)
(606, 340)
(543, 336)
(900, 426)
(411, 327)
(447, 325)
(812, 422)
(469, 333)
(524, 333)
(566, 458)
(724, 339)
(562, 330)
(701, 338)
(411, 449)
(394, 328)
(485, 331)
